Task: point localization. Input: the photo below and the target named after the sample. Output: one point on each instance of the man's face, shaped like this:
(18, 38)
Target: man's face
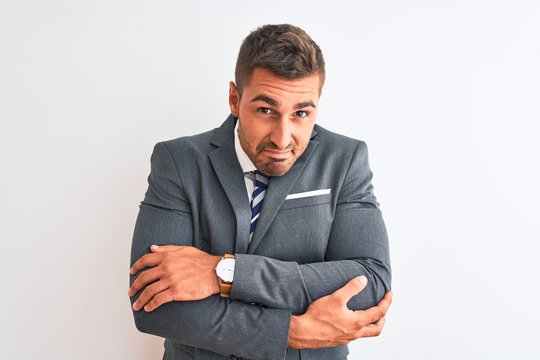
(276, 117)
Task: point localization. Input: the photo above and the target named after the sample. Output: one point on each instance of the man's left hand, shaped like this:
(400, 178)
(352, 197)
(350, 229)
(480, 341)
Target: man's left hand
(175, 273)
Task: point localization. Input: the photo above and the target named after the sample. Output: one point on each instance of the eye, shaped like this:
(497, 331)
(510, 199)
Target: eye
(301, 114)
(264, 110)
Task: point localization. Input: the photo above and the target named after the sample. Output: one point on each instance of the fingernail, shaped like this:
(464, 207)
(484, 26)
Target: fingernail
(154, 246)
(362, 279)
(134, 306)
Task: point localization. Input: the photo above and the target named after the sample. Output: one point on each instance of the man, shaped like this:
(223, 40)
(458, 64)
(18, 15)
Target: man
(268, 225)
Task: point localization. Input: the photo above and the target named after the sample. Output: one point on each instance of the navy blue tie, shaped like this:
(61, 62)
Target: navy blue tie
(261, 183)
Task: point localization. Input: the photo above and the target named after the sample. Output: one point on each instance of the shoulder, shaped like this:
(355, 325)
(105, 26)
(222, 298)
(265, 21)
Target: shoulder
(338, 143)
(193, 145)
(203, 143)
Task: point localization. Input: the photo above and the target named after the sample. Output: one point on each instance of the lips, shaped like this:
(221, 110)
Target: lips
(277, 153)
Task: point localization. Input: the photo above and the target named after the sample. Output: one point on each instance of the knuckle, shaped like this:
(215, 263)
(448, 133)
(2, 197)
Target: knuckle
(148, 292)
(154, 301)
(160, 299)
(175, 291)
(375, 332)
(166, 267)
(141, 301)
(360, 322)
(142, 296)
(136, 286)
(142, 279)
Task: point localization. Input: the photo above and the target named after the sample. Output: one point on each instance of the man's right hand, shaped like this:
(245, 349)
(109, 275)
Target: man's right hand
(328, 321)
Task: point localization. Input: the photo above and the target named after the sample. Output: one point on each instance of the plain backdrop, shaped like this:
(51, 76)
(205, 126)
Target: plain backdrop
(445, 93)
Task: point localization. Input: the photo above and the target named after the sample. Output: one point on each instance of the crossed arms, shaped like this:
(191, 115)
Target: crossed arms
(177, 275)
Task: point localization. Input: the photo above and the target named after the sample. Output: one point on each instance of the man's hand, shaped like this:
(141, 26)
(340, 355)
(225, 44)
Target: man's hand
(175, 273)
(328, 322)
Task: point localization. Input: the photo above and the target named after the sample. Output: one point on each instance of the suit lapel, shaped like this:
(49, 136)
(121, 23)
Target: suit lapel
(278, 189)
(230, 175)
(228, 170)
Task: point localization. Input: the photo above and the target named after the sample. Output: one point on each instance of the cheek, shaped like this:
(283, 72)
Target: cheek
(302, 137)
(249, 135)
(255, 133)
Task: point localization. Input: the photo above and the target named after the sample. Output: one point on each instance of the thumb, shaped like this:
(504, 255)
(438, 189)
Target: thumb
(352, 288)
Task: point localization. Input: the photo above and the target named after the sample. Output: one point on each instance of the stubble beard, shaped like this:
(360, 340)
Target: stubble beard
(268, 165)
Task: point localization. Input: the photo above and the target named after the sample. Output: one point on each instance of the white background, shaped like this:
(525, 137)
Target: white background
(446, 94)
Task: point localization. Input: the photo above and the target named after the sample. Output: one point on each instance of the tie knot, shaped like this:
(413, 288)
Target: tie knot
(260, 179)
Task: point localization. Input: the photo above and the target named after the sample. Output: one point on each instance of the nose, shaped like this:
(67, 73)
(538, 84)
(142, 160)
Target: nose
(281, 133)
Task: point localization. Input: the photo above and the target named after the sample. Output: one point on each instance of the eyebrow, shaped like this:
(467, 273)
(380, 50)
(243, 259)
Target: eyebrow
(305, 104)
(274, 102)
(266, 99)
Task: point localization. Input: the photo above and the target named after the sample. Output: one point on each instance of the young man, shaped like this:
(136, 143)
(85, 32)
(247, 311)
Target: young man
(267, 225)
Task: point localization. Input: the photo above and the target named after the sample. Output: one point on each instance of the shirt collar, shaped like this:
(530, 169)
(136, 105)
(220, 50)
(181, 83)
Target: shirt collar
(243, 158)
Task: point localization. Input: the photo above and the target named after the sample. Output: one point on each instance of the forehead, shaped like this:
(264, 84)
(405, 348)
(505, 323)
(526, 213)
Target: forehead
(264, 83)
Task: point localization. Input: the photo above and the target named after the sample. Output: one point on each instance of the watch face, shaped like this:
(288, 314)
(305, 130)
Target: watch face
(225, 270)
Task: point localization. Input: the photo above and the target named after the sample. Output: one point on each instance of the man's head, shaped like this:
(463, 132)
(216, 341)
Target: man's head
(285, 50)
(279, 77)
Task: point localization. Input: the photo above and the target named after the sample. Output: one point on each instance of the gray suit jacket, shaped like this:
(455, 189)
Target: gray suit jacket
(304, 247)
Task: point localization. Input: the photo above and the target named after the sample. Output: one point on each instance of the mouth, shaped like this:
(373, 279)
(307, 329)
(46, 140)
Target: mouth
(277, 154)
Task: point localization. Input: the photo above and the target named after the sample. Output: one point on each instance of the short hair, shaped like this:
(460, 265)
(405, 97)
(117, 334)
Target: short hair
(285, 50)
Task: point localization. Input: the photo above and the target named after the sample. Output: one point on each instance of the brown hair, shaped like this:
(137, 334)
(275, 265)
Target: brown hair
(285, 50)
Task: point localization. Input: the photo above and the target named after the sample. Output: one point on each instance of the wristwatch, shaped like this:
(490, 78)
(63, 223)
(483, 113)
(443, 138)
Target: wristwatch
(225, 274)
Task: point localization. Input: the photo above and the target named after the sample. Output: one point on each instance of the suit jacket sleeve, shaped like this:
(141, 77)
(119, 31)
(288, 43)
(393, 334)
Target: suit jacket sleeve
(222, 326)
(357, 245)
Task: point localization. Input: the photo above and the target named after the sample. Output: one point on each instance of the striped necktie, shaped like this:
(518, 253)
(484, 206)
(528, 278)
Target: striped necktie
(261, 183)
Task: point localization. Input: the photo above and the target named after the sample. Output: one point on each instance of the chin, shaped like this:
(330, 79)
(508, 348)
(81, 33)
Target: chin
(276, 168)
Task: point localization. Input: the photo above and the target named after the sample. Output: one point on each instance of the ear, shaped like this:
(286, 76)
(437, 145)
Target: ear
(234, 99)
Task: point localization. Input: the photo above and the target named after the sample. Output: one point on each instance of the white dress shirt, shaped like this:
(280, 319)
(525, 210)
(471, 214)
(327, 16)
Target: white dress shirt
(245, 163)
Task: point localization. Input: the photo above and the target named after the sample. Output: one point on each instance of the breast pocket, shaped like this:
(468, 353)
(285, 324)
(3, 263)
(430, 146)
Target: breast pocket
(302, 201)
(300, 230)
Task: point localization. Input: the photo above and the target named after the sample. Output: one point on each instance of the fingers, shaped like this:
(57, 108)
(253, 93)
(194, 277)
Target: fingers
(371, 330)
(376, 312)
(147, 260)
(386, 301)
(153, 258)
(158, 300)
(352, 288)
(148, 294)
(146, 277)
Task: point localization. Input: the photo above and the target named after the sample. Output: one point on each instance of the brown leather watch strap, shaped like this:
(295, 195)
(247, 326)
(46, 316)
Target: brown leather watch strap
(224, 286)
(225, 289)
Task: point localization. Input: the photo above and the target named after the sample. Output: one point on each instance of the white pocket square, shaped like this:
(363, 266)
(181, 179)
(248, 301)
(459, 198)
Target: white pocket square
(308, 194)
